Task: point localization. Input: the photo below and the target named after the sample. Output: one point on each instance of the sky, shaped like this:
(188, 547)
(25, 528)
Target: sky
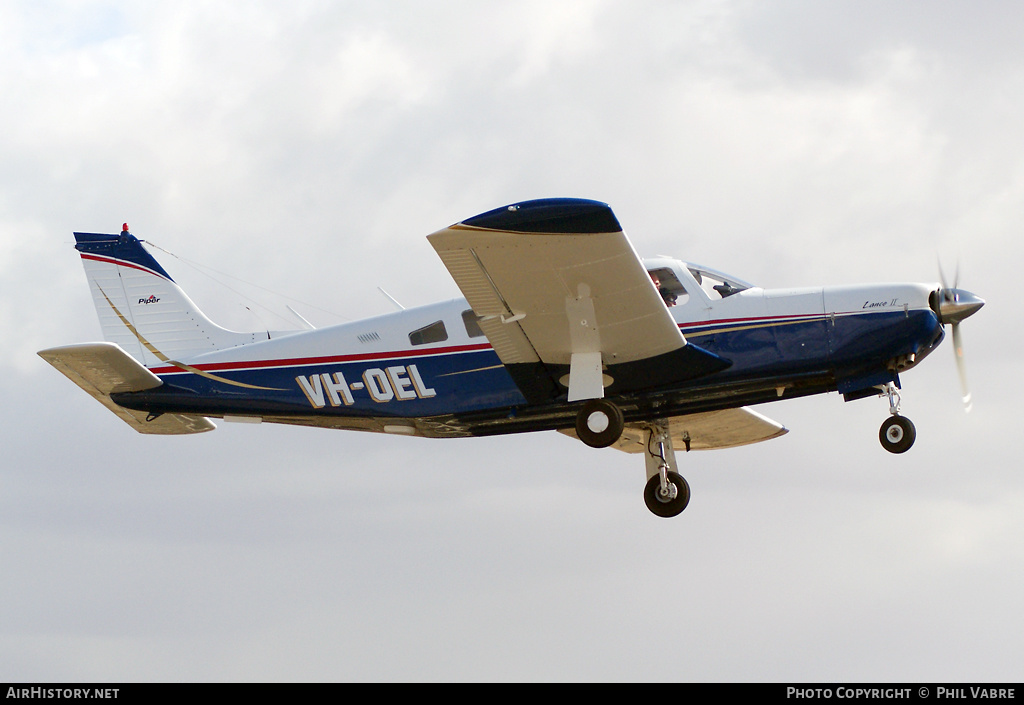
(308, 148)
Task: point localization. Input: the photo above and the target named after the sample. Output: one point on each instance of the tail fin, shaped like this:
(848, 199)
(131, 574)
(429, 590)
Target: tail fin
(140, 307)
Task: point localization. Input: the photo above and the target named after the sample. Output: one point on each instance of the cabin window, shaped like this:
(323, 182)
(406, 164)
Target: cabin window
(669, 286)
(434, 333)
(472, 323)
(716, 285)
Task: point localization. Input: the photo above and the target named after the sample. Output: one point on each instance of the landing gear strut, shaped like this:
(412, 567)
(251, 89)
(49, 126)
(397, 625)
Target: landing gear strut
(666, 493)
(897, 433)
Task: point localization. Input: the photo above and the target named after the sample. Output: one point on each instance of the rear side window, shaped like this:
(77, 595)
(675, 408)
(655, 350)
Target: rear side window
(434, 333)
(472, 323)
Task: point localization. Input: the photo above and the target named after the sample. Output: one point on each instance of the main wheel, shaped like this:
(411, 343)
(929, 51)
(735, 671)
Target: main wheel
(666, 505)
(897, 434)
(599, 423)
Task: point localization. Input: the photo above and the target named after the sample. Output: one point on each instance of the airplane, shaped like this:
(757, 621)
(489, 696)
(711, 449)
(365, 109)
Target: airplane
(562, 327)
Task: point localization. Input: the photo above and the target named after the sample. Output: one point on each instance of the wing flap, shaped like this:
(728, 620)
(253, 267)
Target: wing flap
(506, 336)
(707, 430)
(102, 369)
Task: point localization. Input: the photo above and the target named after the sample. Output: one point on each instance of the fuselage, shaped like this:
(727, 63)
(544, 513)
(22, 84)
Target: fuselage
(430, 370)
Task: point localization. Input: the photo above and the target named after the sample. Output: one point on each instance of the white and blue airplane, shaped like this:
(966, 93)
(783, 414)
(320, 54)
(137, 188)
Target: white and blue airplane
(563, 327)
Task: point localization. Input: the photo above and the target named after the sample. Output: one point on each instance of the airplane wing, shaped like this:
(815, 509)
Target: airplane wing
(705, 431)
(102, 369)
(566, 302)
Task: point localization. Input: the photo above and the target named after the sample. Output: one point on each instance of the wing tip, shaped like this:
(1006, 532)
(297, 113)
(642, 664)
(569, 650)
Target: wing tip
(570, 216)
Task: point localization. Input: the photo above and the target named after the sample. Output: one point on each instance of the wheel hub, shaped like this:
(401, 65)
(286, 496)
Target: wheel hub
(667, 493)
(598, 422)
(666, 497)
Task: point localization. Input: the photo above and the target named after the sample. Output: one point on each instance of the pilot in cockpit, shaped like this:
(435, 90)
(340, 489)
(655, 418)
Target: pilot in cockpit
(668, 296)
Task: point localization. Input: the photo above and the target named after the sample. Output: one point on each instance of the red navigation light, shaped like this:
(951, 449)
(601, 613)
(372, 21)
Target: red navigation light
(124, 228)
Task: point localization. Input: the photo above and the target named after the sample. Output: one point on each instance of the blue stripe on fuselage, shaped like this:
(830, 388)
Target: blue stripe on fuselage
(401, 386)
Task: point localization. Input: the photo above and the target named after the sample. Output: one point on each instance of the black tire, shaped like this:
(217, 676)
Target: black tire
(662, 507)
(599, 423)
(897, 434)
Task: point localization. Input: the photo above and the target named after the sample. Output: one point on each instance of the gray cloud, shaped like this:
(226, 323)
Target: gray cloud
(311, 149)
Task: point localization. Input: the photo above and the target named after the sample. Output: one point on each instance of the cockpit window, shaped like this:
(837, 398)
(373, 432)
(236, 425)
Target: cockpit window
(669, 286)
(434, 333)
(716, 284)
(472, 323)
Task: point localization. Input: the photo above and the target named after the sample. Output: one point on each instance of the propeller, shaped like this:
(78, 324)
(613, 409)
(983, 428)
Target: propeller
(954, 305)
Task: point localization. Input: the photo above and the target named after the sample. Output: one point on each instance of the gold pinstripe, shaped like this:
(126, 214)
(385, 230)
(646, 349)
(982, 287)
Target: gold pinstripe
(180, 365)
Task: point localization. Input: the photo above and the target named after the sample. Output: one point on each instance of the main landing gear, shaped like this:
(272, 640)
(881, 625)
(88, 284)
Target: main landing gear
(599, 424)
(666, 493)
(897, 433)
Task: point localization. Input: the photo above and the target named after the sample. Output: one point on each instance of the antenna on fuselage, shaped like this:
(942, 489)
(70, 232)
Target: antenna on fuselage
(391, 298)
(219, 277)
(306, 324)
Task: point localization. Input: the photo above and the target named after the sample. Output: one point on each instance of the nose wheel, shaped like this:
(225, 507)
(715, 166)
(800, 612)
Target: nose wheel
(897, 433)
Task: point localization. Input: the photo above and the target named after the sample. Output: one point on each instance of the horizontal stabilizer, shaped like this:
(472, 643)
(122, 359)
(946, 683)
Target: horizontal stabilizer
(102, 369)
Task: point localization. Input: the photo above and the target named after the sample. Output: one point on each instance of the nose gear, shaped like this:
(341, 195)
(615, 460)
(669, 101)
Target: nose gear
(897, 433)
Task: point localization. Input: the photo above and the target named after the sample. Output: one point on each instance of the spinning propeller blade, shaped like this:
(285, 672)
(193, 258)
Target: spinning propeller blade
(961, 367)
(954, 306)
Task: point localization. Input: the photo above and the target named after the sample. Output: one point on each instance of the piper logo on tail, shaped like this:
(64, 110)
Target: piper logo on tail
(400, 382)
(151, 300)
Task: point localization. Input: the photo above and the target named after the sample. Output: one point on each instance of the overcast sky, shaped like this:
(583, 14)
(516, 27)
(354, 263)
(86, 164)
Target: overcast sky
(309, 148)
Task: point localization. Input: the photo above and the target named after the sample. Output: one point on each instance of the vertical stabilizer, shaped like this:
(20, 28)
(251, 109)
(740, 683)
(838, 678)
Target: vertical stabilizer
(140, 307)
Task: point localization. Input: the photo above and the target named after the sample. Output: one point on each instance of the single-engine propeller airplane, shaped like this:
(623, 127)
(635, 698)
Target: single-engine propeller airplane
(563, 327)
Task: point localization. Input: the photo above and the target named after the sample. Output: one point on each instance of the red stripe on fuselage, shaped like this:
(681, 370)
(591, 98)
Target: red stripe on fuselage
(331, 359)
(789, 318)
(756, 319)
(363, 357)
